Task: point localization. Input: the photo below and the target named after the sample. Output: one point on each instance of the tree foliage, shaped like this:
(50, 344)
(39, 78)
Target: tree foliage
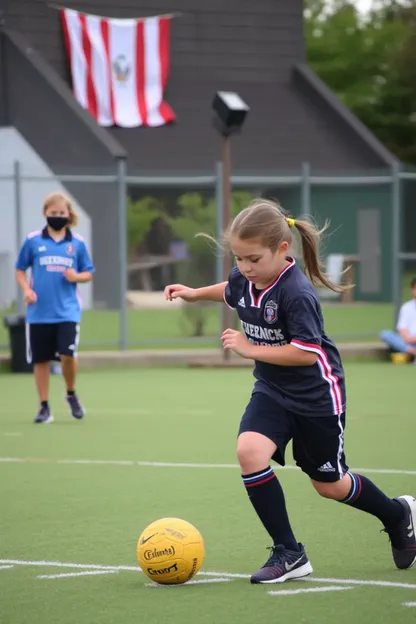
(370, 64)
(199, 215)
(140, 217)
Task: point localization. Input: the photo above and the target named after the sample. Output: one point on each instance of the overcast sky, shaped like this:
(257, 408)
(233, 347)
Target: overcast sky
(362, 5)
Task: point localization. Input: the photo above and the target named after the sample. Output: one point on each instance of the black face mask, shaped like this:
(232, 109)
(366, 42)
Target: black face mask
(57, 223)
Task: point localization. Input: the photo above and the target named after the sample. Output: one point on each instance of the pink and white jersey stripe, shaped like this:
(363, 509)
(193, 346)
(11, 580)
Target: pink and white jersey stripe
(326, 372)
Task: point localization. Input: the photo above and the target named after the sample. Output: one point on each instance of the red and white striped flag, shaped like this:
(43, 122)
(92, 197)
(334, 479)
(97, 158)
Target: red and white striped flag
(119, 67)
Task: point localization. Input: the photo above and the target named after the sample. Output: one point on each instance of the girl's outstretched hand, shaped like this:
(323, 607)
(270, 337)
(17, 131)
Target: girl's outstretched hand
(179, 291)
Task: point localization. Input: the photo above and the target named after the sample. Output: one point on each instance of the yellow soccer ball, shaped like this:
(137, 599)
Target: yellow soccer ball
(170, 551)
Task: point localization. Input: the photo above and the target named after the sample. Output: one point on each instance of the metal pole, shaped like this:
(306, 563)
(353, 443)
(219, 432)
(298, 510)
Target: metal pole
(122, 226)
(226, 218)
(306, 190)
(219, 225)
(20, 306)
(396, 240)
(218, 232)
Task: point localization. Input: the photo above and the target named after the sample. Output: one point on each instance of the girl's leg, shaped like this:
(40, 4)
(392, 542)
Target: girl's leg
(359, 492)
(254, 452)
(318, 448)
(263, 425)
(41, 372)
(68, 338)
(40, 349)
(69, 371)
(398, 515)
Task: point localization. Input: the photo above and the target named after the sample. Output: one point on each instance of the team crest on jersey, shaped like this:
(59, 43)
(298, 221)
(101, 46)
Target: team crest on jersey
(70, 249)
(270, 311)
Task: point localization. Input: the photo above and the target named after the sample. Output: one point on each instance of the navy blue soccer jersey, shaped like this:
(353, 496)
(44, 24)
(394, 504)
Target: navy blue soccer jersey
(57, 299)
(289, 312)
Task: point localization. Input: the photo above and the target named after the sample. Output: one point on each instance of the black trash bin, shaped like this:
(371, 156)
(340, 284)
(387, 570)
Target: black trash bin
(16, 324)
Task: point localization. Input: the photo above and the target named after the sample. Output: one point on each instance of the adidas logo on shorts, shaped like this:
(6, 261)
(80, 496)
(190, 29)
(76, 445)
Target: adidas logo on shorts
(328, 467)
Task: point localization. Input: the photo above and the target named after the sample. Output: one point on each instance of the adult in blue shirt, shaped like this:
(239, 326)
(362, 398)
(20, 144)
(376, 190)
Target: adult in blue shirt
(59, 260)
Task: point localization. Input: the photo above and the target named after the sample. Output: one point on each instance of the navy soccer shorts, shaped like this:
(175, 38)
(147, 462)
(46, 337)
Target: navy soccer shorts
(48, 341)
(318, 442)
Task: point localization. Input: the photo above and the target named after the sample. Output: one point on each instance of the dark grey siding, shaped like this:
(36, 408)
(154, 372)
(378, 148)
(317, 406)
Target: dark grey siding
(4, 4)
(251, 47)
(3, 109)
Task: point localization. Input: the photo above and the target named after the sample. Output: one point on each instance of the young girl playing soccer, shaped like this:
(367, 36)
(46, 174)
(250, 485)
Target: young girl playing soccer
(299, 393)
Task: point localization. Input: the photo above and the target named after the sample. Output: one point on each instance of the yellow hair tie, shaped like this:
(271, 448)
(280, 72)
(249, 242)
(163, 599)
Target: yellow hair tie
(291, 222)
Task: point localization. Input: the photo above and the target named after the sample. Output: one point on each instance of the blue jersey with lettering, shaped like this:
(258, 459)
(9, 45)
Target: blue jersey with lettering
(289, 312)
(58, 300)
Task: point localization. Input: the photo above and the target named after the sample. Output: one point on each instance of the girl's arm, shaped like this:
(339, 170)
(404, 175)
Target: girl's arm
(22, 280)
(287, 355)
(28, 294)
(207, 293)
(78, 278)
(211, 293)
(84, 277)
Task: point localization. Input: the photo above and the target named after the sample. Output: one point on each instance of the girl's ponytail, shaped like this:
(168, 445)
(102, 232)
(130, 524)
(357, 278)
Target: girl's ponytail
(310, 237)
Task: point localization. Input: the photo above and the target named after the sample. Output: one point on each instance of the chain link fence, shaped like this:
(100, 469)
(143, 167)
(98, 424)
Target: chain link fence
(141, 230)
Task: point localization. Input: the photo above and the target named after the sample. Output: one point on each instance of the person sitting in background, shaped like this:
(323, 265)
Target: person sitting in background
(404, 340)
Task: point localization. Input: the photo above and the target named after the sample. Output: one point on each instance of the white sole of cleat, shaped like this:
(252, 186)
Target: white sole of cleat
(412, 504)
(304, 570)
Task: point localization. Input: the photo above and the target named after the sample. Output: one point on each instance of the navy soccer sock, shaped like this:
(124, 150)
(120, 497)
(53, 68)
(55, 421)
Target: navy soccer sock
(366, 496)
(267, 497)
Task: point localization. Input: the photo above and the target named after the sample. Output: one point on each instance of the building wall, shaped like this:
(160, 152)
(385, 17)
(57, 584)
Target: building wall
(241, 45)
(32, 193)
(226, 39)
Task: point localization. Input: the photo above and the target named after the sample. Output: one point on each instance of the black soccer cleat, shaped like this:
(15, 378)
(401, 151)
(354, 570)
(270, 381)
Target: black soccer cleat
(77, 411)
(43, 416)
(283, 565)
(403, 538)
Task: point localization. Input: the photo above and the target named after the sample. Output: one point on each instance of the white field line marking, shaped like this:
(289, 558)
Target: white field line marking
(114, 412)
(144, 412)
(409, 604)
(6, 567)
(12, 433)
(312, 579)
(201, 582)
(71, 574)
(229, 575)
(157, 464)
(60, 564)
(311, 590)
